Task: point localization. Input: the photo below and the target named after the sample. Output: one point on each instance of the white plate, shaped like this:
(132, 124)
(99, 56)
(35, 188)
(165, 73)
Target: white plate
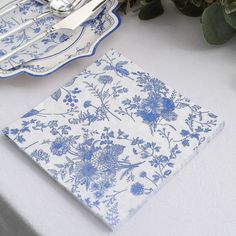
(82, 44)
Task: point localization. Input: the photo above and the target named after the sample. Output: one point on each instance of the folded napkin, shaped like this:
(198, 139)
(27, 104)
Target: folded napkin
(113, 135)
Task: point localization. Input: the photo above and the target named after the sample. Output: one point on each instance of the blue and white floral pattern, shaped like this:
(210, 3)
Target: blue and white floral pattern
(113, 135)
(53, 51)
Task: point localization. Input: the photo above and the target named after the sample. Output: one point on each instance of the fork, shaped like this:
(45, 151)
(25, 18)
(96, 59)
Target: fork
(69, 23)
(60, 8)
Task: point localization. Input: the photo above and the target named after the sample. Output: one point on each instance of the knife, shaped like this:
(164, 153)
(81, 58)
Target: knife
(56, 9)
(69, 23)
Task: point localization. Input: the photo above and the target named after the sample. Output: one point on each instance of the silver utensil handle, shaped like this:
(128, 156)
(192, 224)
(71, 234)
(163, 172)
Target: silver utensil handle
(24, 25)
(29, 43)
(12, 8)
(78, 3)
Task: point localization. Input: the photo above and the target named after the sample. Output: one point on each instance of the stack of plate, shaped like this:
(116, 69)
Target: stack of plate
(82, 43)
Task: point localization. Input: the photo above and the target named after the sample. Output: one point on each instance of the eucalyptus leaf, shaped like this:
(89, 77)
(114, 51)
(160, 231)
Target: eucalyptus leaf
(123, 7)
(197, 3)
(215, 29)
(229, 6)
(230, 19)
(189, 8)
(151, 10)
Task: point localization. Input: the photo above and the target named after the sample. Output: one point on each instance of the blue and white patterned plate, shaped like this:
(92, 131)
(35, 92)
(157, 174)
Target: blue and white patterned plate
(82, 44)
(114, 135)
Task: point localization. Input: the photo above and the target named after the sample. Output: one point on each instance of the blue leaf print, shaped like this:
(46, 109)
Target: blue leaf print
(56, 95)
(20, 139)
(37, 30)
(2, 52)
(185, 142)
(14, 131)
(71, 82)
(167, 172)
(33, 112)
(63, 38)
(184, 132)
(87, 104)
(212, 115)
(119, 68)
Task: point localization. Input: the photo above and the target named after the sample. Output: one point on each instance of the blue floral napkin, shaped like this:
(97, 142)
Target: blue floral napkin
(113, 135)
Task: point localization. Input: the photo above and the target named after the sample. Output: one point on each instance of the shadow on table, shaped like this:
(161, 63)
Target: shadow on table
(11, 224)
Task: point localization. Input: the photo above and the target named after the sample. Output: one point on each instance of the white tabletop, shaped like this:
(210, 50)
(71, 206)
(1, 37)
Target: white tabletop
(200, 200)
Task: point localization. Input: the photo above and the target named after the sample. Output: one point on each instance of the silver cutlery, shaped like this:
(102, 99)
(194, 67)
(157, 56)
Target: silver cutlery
(12, 8)
(18, 4)
(69, 23)
(60, 8)
(63, 8)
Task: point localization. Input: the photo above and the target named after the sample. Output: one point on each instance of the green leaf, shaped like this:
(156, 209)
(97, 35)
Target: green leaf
(123, 7)
(215, 29)
(230, 19)
(229, 6)
(151, 10)
(188, 8)
(197, 3)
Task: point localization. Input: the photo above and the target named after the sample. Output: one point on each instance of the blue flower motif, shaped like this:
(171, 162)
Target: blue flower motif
(88, 170)
(99, 194)
(107, 158)
(53, 35)
(95, 186)
(171, 116)
(97, 164)
(85, 174)
(137, 189)
(167, 105)
(40, 155)
(106, 184)
(105, 79)
(156, 161)
(20, 139)
(150, 109)
(52, 124)
(70, 100)
(97, 24)
(86, 153)
(155, 107)
(60, 146)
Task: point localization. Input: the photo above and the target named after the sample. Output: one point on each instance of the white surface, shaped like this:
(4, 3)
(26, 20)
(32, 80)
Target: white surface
(200, 200)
